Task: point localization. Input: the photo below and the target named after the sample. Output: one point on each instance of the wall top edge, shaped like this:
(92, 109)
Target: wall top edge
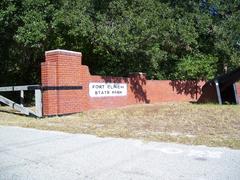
(64, 52)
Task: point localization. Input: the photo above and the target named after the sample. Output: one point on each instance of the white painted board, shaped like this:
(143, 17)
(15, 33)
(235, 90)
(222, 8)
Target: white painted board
(107, 89)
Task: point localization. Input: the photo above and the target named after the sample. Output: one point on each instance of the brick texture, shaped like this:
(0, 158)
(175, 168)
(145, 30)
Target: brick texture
(64, 68)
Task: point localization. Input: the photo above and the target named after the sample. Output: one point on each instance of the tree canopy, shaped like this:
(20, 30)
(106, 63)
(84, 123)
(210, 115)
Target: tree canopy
(167, 39)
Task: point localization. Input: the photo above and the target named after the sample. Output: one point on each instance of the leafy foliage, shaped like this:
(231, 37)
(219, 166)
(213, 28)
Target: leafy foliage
(167, 39)
(197, 67)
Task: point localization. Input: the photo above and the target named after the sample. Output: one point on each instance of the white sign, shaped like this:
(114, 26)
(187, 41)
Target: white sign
(107, 89)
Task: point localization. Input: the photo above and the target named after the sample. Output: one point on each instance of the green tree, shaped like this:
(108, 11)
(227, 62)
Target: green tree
(166, 39)
(197, 67)
(129, 36)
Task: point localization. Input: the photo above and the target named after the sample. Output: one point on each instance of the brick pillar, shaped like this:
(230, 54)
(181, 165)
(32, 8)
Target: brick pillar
(62, 69)
(49, 78)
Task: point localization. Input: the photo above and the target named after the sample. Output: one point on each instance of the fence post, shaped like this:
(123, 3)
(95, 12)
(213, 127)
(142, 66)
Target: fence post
(218, 92)
(21, 98)
(235, 93)
(38, 102)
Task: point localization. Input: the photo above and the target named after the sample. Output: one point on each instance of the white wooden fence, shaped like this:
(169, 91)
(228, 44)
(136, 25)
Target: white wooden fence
(20, 107)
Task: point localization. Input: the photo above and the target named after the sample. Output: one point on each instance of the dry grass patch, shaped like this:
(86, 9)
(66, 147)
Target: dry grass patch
(211, 125)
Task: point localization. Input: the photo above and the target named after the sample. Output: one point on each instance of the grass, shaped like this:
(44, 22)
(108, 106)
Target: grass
(210, 125)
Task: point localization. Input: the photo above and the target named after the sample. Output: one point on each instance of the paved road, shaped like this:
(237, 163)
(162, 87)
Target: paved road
(35, 154)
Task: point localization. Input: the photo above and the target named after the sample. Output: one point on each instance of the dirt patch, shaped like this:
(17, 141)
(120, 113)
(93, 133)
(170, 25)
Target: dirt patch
(210, 125)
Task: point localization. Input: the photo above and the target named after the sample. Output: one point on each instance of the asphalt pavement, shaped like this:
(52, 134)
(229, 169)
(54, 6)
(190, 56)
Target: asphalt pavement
(27, 154)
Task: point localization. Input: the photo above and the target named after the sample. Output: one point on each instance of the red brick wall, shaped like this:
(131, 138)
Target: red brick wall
(136, 90)
(64, 68)
(166, 90)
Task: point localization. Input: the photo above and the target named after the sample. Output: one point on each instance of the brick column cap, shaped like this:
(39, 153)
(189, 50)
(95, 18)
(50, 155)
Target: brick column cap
(63, 52)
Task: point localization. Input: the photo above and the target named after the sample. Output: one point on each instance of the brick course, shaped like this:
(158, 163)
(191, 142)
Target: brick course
(64, 68)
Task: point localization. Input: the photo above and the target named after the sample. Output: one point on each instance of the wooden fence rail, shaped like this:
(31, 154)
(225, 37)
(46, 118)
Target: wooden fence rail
(20, 107)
